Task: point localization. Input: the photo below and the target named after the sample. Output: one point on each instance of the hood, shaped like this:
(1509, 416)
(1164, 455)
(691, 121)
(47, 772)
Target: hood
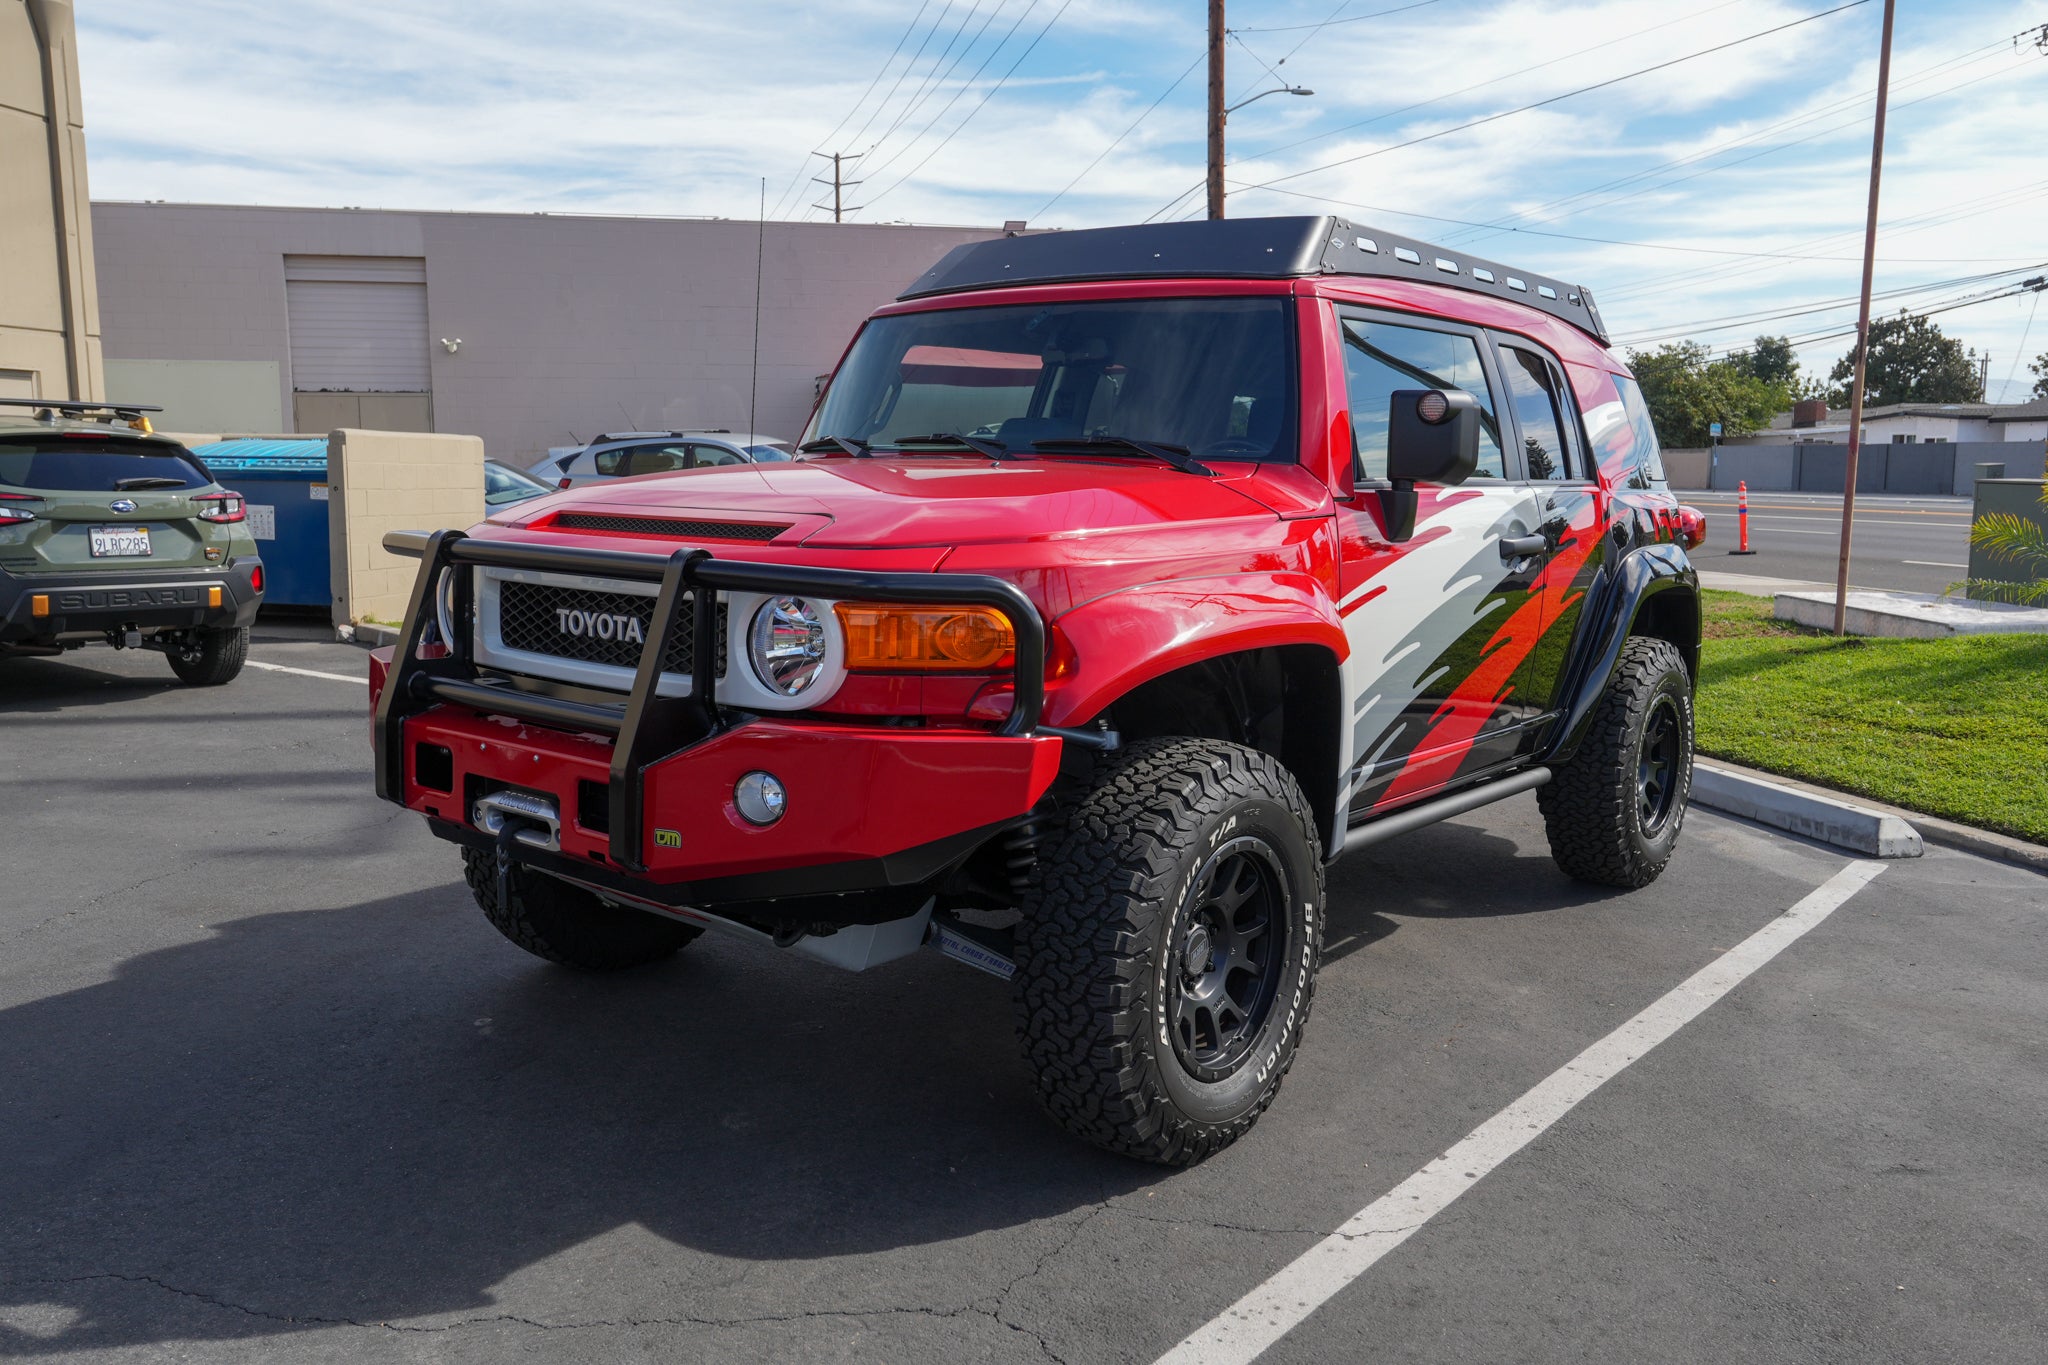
(945, 500)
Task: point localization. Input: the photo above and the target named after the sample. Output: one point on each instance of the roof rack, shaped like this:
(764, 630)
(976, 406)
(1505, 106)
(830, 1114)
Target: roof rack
(1247, 248)
(127, 412)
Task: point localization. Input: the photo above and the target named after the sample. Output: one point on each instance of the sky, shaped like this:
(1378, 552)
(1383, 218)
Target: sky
(1692, 199)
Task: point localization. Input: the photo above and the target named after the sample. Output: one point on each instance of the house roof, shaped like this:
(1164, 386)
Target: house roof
(2034, 411)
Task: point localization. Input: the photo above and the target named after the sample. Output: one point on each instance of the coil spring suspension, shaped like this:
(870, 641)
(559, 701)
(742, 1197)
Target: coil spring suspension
(1021, 856)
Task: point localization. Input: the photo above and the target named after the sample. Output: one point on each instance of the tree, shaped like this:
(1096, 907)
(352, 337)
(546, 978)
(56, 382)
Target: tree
(1772, 360)
(1911, 361)
(1685, 392)
(2039, 369)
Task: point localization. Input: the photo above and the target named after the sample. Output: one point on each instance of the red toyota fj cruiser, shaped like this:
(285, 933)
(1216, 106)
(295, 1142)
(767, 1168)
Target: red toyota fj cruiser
(1126, 577)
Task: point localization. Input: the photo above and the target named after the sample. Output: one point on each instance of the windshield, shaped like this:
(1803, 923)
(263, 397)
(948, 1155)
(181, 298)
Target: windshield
(1211, 375)
(504, 484)
(92, 465)
(771, 452)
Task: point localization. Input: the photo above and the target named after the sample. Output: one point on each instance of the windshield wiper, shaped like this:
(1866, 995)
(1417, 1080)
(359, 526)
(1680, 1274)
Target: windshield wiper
(143, 481)
(981, 445)
(1177, 456)
(844, 445)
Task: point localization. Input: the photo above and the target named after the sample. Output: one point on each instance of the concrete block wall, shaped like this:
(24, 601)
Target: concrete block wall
(1688, 468)
(381, 481)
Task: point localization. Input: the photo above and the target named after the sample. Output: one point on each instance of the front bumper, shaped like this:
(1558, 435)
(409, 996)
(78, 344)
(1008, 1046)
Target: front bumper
(642, 785)
(73, 606)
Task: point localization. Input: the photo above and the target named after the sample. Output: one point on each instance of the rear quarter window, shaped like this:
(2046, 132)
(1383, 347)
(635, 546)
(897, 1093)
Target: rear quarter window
(60, 465)
(1624, 439)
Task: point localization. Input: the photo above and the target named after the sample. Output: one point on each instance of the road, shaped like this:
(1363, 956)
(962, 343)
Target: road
(1905, 544)
(271, 1090)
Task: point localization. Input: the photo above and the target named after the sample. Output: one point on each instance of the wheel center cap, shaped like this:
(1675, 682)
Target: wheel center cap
(1195, 956)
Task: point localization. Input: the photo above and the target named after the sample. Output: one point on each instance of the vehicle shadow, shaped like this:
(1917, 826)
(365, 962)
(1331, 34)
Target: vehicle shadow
(380, 1112)
(51, 684)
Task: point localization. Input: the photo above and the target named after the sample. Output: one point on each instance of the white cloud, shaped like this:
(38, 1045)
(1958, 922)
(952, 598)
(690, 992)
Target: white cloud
(681, 108)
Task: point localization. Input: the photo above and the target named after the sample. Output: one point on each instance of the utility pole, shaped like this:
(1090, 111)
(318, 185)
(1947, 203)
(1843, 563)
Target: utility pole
(1884, 77)
(1984, 377)
(1216, 112)
(839, 184)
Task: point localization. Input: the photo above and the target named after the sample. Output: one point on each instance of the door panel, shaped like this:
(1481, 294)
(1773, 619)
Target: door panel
(1440, 623)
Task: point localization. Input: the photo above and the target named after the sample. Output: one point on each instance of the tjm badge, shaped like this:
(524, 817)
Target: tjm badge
(668, 838)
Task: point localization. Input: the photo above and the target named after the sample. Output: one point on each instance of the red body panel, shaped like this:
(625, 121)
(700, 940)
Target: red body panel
(855, 792)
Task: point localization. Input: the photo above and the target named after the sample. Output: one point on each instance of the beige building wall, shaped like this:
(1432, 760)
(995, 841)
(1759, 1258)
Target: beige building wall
(49, 313)
(382, 481)
(559, 326)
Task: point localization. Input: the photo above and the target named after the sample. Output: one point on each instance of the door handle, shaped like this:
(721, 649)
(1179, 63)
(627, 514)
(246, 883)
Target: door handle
(1523, 547)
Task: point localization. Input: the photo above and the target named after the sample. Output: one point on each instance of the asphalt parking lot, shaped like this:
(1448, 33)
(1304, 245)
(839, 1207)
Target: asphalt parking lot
(272, 1090)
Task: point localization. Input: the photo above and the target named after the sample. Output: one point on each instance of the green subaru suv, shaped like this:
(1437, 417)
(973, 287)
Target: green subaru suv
(109, 532)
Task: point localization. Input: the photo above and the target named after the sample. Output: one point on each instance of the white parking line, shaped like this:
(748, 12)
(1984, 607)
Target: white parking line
(1933, 564)
(1245, 1329)
(308, 672)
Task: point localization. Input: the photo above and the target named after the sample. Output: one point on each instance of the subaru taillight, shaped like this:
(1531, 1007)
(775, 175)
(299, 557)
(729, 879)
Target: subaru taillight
(221, 507)
(256, 577)
(18, 507)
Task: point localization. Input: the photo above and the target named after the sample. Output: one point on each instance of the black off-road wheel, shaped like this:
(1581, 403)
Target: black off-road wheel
(1613, 812)
(1167, 954)
(567, 924)
(208, 658)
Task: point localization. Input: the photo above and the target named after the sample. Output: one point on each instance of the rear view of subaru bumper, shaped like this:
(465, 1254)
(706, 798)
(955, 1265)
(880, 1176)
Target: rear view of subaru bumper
(49, 608)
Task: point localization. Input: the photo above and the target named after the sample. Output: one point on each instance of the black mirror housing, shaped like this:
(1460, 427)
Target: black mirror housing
(1432, 437)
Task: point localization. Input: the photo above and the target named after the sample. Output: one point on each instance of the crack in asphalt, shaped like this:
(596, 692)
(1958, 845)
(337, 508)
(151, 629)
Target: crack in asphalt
(102, 898)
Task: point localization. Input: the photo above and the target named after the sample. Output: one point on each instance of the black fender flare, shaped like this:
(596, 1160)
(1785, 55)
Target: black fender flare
(1637, 578)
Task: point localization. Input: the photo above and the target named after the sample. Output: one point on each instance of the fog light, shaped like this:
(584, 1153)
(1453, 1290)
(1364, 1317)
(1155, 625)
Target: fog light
(759, 798)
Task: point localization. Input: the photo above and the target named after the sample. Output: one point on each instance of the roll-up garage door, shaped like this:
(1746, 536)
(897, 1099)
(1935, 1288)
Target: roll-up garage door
(358, 323)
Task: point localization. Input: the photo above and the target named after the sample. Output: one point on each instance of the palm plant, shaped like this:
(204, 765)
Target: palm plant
(2013, 539)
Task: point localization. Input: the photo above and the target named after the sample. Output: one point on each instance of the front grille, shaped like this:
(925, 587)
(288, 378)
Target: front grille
(529, 619)
(665, 526)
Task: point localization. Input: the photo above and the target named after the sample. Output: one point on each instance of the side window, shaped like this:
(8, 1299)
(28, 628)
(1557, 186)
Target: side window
(612, 463)
(1380, 357)
(1533, 390)
(708, 455)
(657, 459)
(1624, 439)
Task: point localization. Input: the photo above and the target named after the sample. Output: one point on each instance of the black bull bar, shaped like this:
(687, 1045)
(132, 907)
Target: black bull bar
(646, 727)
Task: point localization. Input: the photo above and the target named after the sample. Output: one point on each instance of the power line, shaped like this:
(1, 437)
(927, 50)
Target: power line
(1730, 321)
(1042, 208)
(964, 86)
(1569, 94)
(847, 117)
(908, 66)
(1615, 241)
(940, 70)
(1004, 80)
(1481, 85)
(2021, 353)
(1354, 19)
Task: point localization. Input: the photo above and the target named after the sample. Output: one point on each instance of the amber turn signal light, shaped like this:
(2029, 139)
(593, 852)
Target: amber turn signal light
(39, 605)
(883, 638)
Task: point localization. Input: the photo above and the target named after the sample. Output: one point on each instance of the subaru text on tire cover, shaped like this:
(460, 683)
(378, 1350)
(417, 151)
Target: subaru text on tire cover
(1125, 577)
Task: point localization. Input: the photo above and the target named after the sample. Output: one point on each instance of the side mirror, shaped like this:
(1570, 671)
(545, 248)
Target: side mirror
(1432, 437)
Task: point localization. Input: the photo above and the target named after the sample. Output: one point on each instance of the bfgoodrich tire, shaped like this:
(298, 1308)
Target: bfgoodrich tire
(208, 658)
(567, 924)
(1167, 953)
(1613, 812)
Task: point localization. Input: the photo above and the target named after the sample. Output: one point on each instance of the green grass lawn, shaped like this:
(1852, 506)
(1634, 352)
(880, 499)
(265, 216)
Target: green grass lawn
(1956, 728)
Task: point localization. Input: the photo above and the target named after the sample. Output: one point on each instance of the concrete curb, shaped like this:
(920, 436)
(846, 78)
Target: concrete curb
(1932, 829)
(1830, 819)
(368, 636)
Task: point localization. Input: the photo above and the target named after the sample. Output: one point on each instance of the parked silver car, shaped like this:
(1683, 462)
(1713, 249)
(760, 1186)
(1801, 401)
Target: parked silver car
(623, 454)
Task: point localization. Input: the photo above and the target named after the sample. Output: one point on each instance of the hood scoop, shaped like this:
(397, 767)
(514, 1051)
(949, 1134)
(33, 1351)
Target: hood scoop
(681, 528)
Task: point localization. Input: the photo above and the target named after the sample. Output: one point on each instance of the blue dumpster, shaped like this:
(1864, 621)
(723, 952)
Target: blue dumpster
(285, 486)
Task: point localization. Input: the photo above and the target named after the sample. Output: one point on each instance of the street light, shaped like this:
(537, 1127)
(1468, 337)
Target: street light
(1218, 114)
(1276, 90)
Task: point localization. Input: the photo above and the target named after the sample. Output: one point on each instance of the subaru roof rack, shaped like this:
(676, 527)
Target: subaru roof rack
(78, 408)
(1240, 248)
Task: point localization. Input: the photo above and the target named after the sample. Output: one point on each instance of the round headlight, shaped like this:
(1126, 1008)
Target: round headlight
(444, 608)
(760, 798)
(787, 642)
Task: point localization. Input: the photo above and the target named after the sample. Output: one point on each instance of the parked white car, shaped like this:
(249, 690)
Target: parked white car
(623, 454)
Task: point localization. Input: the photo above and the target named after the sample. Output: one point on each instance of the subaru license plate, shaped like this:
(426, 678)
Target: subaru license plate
(115, 541)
